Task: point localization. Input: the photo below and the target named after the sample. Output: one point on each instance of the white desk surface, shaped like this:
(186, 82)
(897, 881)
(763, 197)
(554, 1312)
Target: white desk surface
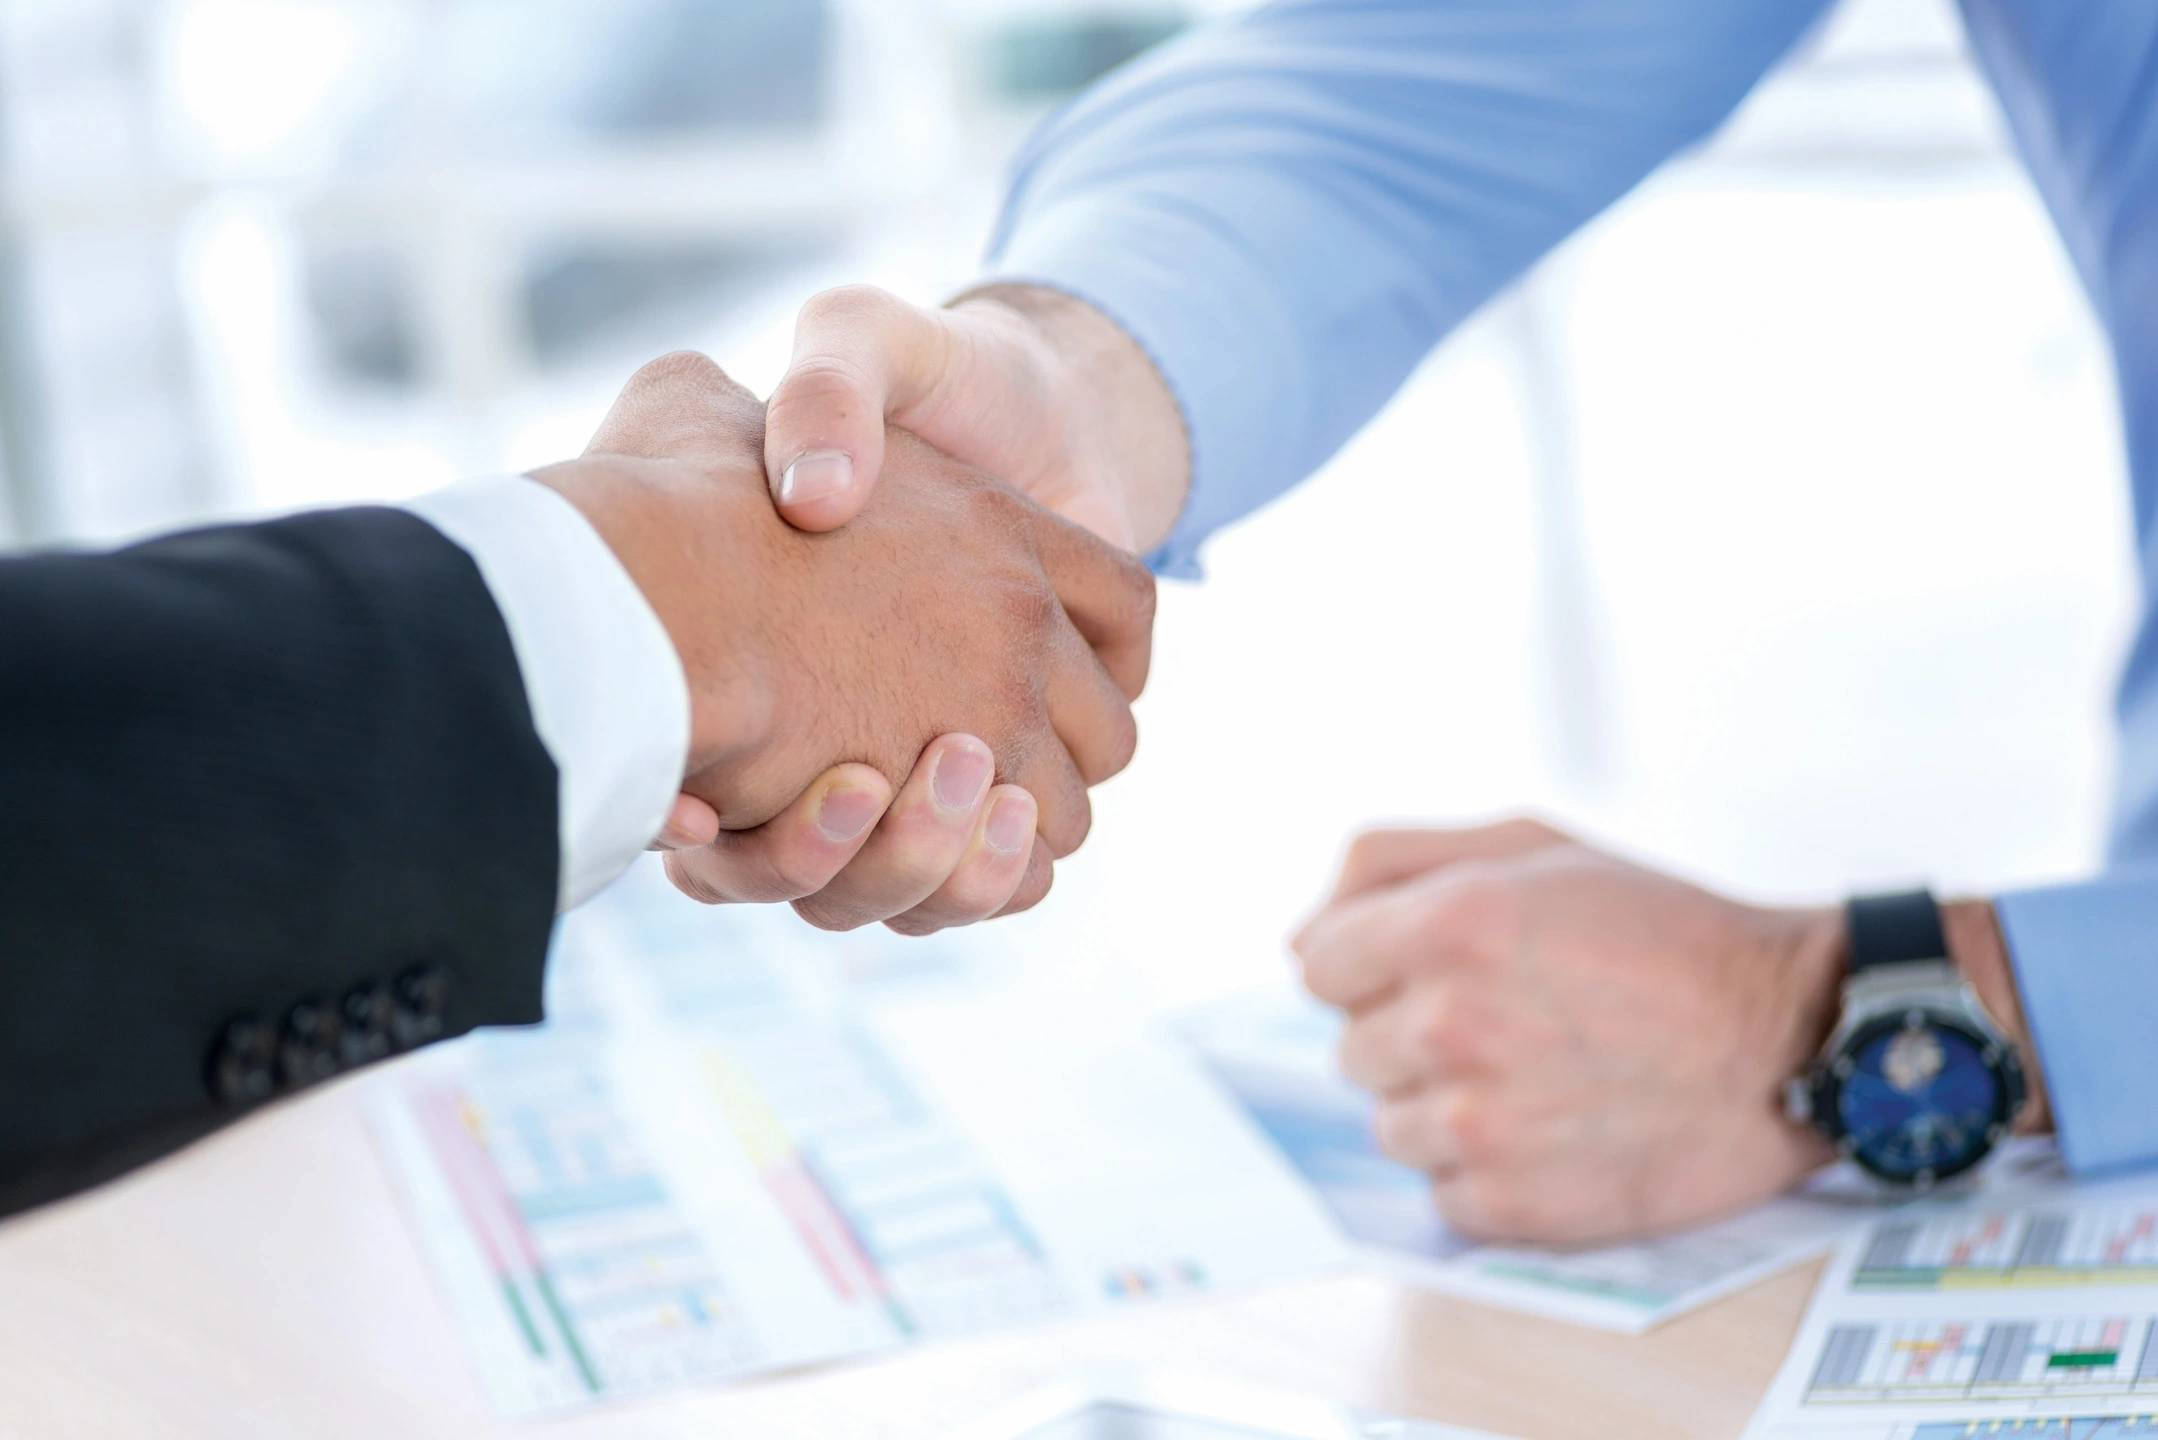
(266, 1283)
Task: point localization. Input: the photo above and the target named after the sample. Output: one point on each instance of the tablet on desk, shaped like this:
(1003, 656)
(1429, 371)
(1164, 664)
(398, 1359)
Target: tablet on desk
(1158, 1408)
(1130, 1420)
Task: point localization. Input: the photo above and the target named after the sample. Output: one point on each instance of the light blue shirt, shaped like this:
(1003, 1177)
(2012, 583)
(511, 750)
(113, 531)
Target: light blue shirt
(1288, 210)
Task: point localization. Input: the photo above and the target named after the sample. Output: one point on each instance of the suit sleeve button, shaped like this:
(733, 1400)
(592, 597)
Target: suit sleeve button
(312, 1046)
(241, 1065)
(422, 1001)
(369, 1015)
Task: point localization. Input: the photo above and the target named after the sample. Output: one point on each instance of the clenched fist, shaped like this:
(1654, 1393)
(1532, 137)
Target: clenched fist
(1576, 1049)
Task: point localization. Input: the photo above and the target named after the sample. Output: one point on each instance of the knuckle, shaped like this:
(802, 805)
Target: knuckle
(997, 509)
(687, 876)
(826, 914)
(1021, 731)
(846, 304)
(914, 869)
(821, 383)
(1367, 850)
(1145, 594)
(1439, 1031)
(691, 380)
(1322, 975)
(1456, 1204)
(920, 858)
(1114, 747)
(1474, 1129)
(1124, 738)
(1040, 879)
(1468, 908)
(975, 892)
(1021, 741)
(1395, 1126)
(1354, 1053)
(1133, 671)
(1464, 1203)
(1033, 607)
(964, 899)
(789, 875)
(1499, 1207)
(680, 365)
(1313, 972)
(1066, 829)
(1137, 599)
(1527, 831)
(1377, 853)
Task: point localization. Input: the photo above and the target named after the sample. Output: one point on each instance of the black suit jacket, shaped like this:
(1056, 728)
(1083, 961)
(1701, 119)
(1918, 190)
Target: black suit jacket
(271, 806)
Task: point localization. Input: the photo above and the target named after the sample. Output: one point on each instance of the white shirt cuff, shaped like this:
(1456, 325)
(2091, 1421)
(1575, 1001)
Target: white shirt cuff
(606, 688)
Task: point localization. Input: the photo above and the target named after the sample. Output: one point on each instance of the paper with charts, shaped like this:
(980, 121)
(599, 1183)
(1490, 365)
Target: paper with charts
(2028, 1310)
(1275, 1053)
(721, 1158)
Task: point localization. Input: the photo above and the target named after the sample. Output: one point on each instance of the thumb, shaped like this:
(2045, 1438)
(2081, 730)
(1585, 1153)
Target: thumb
(861, 357)
(681, 407)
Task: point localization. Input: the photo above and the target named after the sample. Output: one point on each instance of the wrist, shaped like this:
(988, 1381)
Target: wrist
(1978, 951)
(693, 546)
(1813, 959)
(1111, 399)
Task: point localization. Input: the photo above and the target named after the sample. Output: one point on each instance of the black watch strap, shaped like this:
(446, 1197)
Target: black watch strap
(1894, 929)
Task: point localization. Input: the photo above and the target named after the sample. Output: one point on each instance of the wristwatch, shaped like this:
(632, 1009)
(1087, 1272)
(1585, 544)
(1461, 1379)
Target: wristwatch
(1916, 1083)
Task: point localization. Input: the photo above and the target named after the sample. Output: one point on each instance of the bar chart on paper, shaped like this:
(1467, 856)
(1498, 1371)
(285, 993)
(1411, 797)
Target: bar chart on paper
(2036, 1246)
(2052, 1427)
(2025, 1309)
(593, 1282)
(901, 1211)
(1918, 1361)
(700, 1179)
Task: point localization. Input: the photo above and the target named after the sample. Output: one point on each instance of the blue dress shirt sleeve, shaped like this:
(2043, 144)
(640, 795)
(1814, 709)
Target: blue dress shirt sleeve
(2086, 965)
(1288, 209)
(2079, 87)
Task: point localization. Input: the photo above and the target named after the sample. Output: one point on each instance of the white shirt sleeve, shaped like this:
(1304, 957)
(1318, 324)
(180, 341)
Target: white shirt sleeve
(606, 688)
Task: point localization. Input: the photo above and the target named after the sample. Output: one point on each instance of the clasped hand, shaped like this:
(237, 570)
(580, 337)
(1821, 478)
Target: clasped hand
(895, 721)
(1574, 1048)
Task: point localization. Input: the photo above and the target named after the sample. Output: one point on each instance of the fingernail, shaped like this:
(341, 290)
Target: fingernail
(814, 476)
(1008, 825)
(962, 775)
(846, 814)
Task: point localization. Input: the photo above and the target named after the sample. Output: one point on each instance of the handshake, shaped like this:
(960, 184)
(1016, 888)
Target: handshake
(904, 674)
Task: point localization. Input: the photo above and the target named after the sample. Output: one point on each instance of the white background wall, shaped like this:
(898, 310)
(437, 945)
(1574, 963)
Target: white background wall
(1855, 566)
(1777, 534)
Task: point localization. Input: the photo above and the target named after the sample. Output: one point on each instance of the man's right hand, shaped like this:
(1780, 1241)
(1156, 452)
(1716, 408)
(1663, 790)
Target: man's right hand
(952, 611)
(1037, 388)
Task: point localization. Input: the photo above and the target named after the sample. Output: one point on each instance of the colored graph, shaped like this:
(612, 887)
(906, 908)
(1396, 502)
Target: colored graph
(604, 1283)
(2058, 1427)
(1986, 1359)
(2069, 1245)
(898, 1208)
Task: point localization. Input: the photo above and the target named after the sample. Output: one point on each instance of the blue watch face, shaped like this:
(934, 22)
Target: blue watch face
(1919, 1098)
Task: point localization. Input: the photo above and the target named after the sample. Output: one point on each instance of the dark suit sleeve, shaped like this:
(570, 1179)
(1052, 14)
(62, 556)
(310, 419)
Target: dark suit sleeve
(271, 806)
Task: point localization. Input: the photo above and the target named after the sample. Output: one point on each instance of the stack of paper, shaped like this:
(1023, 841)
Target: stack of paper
(2030, 1309)
(719, 1160)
